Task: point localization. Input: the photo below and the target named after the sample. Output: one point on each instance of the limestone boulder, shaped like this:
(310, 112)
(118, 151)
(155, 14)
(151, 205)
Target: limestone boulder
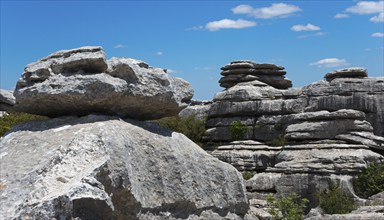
(198, 109)
(7, 100)
(82, 82)
(101, 167)
(354, 72)
(83, 60)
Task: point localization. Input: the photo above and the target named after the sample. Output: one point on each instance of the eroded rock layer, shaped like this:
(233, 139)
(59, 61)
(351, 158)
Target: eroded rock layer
(81, 81)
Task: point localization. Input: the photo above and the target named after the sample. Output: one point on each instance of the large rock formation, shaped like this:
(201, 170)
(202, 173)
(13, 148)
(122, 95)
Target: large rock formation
(299, 140)
(80, 81)
(101, 167)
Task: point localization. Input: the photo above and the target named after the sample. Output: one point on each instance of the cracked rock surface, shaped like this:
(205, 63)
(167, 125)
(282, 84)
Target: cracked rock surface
(101, 167)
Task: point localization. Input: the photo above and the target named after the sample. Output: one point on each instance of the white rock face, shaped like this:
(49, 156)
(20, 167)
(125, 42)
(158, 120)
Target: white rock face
(101, 167)
(7, 100)
(81, 82)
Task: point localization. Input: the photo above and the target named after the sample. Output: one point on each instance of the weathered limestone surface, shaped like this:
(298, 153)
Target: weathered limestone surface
(198, 109)
(101, 167)
(354, 72)
(81, 81)
(299, 140)
(245, 71)
(363, 94)
(7, 100)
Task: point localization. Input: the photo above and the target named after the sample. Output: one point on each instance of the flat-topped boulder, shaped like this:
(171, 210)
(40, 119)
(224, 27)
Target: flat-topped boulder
(245, 71)
(80, 81)
(353, 72)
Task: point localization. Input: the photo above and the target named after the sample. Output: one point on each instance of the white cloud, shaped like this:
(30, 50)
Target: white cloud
(120, 46)
(378, 18)
(243, 9)
(377, 34)
(159, 53)
(275, 10)
(341, 16)
(366, 7)
(308, 27)
(228, 23)
(318, 34)
(330, 62)
(195, 28)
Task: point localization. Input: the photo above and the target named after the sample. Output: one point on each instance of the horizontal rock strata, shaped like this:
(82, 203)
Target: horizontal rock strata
(245, 71)
(81, 81)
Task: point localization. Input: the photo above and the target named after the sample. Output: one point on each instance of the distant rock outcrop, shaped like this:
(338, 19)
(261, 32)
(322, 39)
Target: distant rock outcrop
(101, 167)
(81, 81)
(198, 109)
(354, 72)
(7, 100)
(245, 71)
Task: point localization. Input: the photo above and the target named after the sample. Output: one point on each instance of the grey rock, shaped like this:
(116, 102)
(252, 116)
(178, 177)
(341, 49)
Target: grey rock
(377, 199)
(251, 71)
(326, 115)
(332, 160)
(83, 59)
(245, 71)
(3, 114)
(365, 138)
(354, 72)
(325, 129)
(130, 88)
(198, 109)
(256, 108)
(247, 157)
(365, 94)
(247, 92)
(101, 167)
(263, 182)
(362, 213)
(7, 100)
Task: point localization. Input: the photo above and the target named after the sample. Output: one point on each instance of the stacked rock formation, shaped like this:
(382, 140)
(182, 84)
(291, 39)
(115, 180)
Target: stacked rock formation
(81, 81)
(354, 72)
(100, 166)
(300, 140)
(245, 71)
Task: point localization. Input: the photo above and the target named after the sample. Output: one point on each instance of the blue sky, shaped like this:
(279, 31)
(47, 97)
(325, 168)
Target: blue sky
(195, 38)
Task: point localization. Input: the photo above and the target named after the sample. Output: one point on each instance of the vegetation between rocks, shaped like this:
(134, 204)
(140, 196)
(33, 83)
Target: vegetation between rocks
(370, 181)
(191, 127)
(335, 201)
(290, 207)
(238, 130)
(9, 121)
(248, 174)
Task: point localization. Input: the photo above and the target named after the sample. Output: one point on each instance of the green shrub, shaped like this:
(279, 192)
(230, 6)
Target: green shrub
(248, 174)
(191, 127)
(335, 201)
(370, 181)
(238, 130)
(9, 121)
(290, 207)
(279, 141)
